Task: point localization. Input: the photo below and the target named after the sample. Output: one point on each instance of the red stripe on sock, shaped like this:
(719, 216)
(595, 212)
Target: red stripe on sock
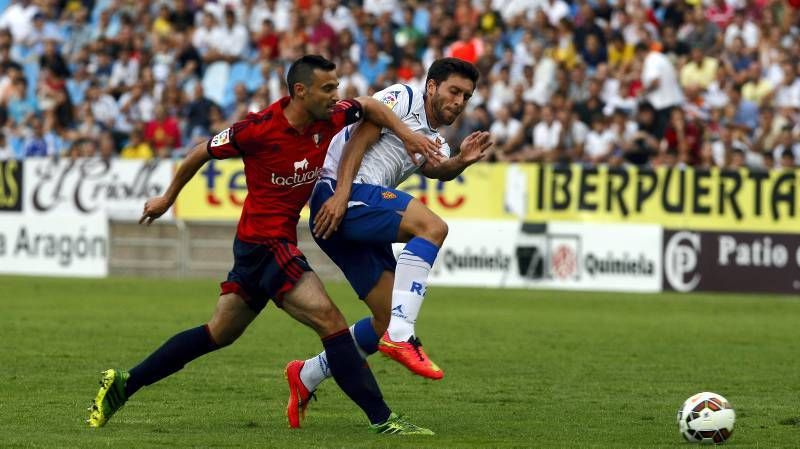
(336, 334)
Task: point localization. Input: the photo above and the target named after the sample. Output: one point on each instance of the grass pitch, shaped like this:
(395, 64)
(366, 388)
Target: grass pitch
(524, 369)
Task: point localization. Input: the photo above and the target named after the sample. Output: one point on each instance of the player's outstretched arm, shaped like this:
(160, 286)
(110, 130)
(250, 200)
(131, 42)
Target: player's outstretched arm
(330, 215)
(473, 149)
(377, 113)
(156, 206)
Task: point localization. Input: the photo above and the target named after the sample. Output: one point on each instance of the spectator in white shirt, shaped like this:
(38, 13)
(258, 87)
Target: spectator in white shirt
(6, 152)
(787, 95)
(787, 148)
(280, 13)
(660, 84)
(624, 130)
(339, 16)
(349, 77)
(599, 142)
(544, 76)
(546, 137)
(555, 11)
(125, 71)
(723, 148)
(744, 28)
(505, 131)
(379, 7)
(202, 37)
(252, 14)
(104, 108)
(229, 41)
(135, 106)
(18, 18)
(502, 93)
(573, 133)
(522, 57)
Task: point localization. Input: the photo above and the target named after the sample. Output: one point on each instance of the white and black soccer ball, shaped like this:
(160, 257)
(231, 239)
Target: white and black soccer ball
(706, 418)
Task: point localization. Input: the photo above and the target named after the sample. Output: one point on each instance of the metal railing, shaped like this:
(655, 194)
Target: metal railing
(182, 249)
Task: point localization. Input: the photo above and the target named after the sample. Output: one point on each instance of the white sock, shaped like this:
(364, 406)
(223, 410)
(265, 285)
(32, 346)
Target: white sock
(316, 369)
(410, 282)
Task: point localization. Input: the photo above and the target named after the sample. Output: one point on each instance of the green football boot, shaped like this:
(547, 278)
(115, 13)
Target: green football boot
(110, 398)
(397, 425)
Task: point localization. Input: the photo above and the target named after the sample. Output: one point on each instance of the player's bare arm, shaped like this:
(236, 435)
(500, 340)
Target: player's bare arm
(332, 211)
(156, 206)
(473, 149)
(377, 113)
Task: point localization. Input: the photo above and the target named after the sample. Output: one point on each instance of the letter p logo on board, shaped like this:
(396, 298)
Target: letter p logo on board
(681, 257)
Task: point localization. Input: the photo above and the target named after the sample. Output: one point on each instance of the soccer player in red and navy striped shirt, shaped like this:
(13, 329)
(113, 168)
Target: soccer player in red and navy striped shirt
(283, 148)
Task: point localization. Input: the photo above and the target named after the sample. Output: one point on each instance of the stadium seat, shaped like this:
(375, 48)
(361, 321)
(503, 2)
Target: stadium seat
(239, 73)
(215, 80)
(31, 70)
(255, 79)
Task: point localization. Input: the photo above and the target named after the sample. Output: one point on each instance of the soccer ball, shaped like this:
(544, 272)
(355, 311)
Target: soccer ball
(706, 418)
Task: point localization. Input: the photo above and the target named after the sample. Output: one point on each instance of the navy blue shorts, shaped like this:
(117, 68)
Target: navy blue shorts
(264, 271)
(362, 247)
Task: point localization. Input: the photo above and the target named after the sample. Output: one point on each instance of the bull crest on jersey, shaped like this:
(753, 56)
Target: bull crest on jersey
(301, 175)
(301, 165)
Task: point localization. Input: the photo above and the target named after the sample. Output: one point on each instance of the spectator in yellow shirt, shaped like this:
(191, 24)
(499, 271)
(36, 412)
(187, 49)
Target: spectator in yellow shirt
(620, 54)
(700, 71)
(757, 88)
(162, 26)
(137, 147)
(564, 50)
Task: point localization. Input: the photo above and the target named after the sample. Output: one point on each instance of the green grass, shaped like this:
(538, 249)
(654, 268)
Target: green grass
(524, 369)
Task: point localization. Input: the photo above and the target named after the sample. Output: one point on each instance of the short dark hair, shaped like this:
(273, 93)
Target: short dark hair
(441, 69)
(302, 70)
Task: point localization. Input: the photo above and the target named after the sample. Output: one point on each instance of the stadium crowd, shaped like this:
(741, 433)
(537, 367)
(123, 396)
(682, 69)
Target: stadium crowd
(662, 83)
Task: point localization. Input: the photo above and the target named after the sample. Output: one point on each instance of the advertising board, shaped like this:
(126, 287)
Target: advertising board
(58, 244)
(557, 255)
(679, 198)
(731, 261)
(118, 187)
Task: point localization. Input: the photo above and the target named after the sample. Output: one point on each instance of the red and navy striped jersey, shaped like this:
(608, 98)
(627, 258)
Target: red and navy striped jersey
(281, 165)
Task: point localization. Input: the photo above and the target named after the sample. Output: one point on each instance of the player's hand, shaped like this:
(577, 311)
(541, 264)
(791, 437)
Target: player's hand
(330, 215)
(154, 208)
(415, 144)
(475, 147)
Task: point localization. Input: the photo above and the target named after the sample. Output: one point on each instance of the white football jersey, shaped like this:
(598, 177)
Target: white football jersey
(386, 162)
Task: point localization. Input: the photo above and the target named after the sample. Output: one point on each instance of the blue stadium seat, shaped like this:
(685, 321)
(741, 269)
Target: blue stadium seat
(31, 70)
(215, 79)
(239, 73)
(254, 78)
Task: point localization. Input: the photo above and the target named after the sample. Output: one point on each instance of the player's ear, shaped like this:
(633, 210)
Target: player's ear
(430, 87)
(300, 90)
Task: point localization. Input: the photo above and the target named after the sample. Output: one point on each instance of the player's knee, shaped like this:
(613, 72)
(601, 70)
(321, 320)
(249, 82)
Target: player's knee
(436, 231)
(227, 324)
(224, 334)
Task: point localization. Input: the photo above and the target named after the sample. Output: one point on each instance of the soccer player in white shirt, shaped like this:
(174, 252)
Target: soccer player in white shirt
(358, 213)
